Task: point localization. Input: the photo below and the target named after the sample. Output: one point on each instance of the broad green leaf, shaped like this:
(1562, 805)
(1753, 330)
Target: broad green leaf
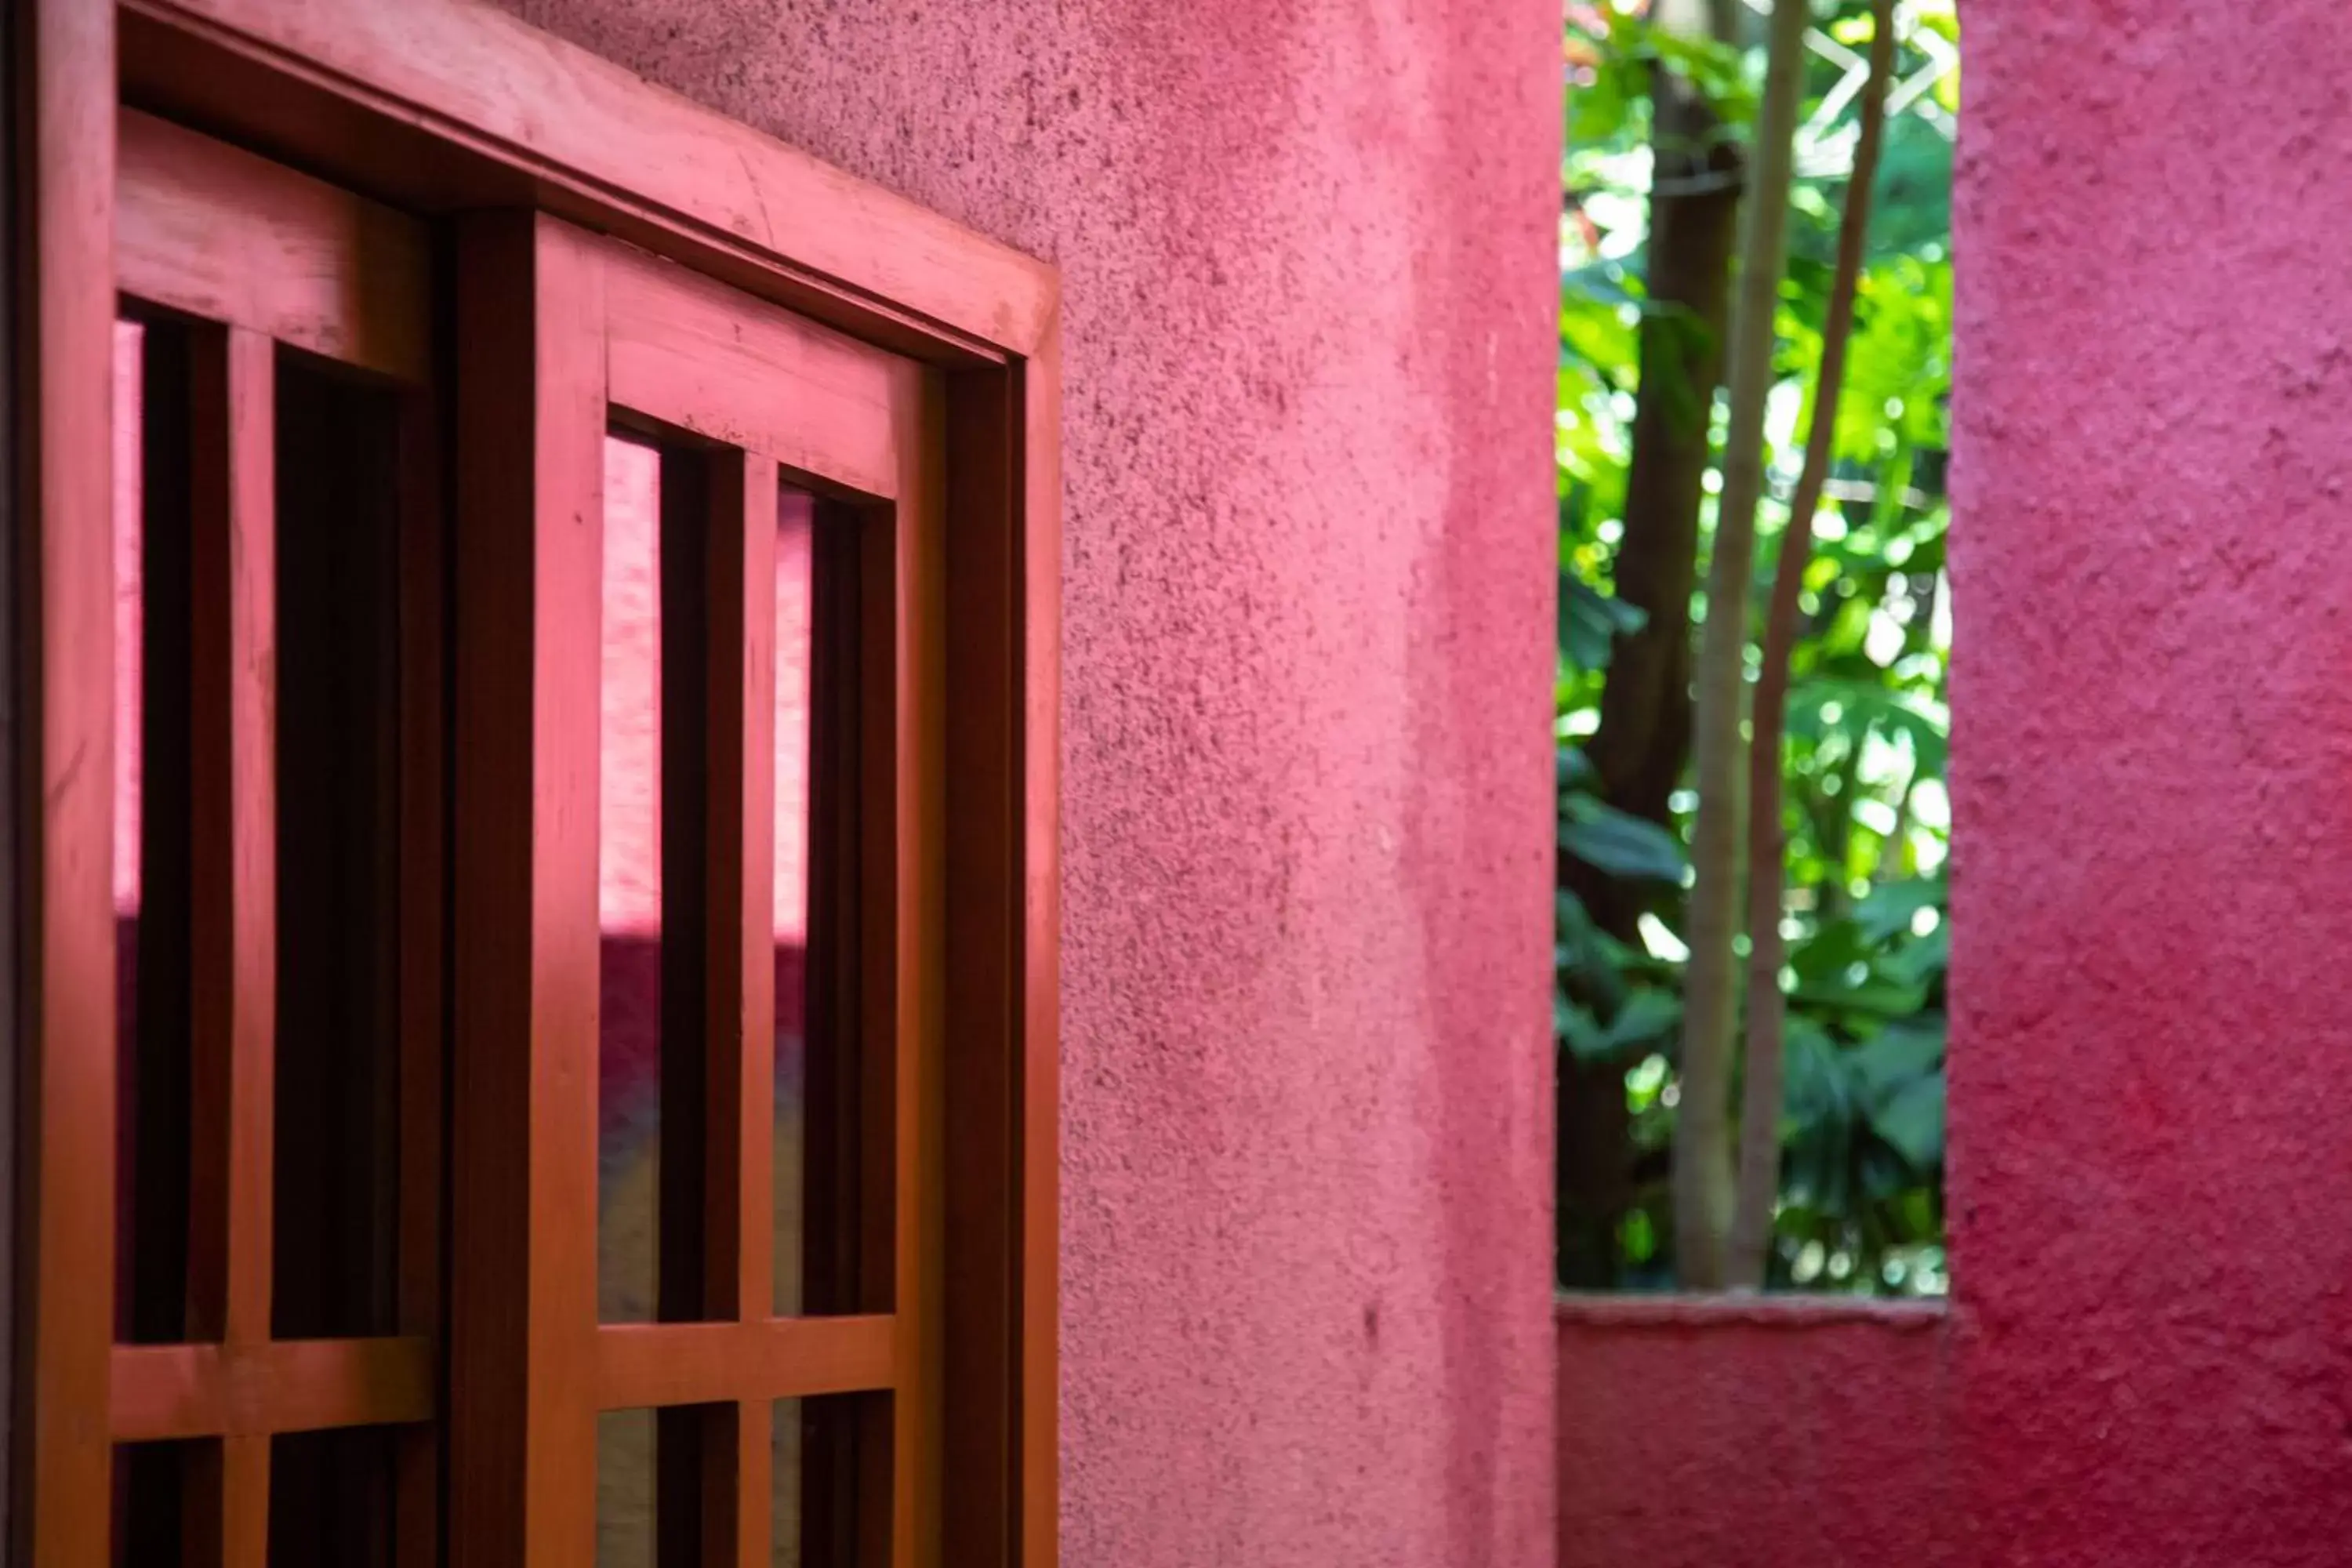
(1897, 1056)
(1590, 621)
(1912, 1121)
(1620, 843)
(1890, 907)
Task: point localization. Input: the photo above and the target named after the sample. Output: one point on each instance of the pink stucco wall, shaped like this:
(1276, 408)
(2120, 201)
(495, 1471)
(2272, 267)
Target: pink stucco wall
(1307, 256)
(2151, 1062)
(2149, 1361)
(1704, 1434)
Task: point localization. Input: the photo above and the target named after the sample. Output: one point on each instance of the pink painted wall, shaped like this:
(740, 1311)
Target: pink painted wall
(1307, 249)
(1765, 1434)
(2151, 1073)
(2149, 1361)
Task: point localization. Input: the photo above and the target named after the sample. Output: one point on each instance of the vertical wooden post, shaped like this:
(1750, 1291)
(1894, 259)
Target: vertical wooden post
(918, 950)
(233, 881)
(740, 1018)
(532, 401)
(1035, 528)
(61, 54)
(424, 888)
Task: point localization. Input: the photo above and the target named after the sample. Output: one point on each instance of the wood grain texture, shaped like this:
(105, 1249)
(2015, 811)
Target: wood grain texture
(917, 954)
(467, 73)
(166, 1392)
(980, 1407)
(740, 987)
(522, 1448)
(233, 880)
(656, 1364)
(505, 111)
(1038, 532)
(227, 1519)
(422, 899)
(696, 353)
(740, 1502)
(214, 231)
(62, 61)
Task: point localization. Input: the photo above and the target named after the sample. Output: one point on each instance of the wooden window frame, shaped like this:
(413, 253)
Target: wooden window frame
(442, 107)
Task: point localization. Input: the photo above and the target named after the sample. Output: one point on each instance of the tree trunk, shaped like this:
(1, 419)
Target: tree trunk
(1759, 1116)
(1643, 739)
(1703, 1174)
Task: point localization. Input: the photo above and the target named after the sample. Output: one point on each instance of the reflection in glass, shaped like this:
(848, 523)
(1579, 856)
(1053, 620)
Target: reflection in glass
(130, 689)
(152, 521)
(625, 1489)
(795, 585)
(331, 1496)
(339, 853)
(629, 888)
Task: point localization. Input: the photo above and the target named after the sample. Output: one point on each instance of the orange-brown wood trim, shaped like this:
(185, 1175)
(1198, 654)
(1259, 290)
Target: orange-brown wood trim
(643, 1364)
(738, 1488)
(163, 1392)
(227, 1519)
(206, 228)
(65, 590)
(531, 414)
(710, 359)
(423, 900)
(233, 847)
(921, 702)
(1037, 1267)
(61, 57)
(584, 128)
(740, 1048)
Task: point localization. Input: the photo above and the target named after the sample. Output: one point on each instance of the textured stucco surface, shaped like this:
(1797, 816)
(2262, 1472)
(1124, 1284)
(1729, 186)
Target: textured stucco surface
(2151, 1062)
(1308, 261)
(1709, 1433)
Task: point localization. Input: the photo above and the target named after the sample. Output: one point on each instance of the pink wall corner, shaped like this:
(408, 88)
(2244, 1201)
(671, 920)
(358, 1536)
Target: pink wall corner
(2150, 1079)
(1805, 1433)
(1309, 305)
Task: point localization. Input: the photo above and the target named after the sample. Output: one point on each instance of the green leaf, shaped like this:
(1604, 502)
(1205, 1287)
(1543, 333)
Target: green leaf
(1918, 962)
(1572, 770)
(1590, 621)
(1620, 843)
(1648, 1015)
(1889, 910)
(1898, 1056)
(1912, 1121)
(1717, 68)
(1578, 1029)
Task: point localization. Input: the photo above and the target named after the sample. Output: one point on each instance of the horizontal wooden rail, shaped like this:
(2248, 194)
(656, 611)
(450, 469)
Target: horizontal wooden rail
(650, 1364)
(204, 227)
(281, 1385)
(598, 142)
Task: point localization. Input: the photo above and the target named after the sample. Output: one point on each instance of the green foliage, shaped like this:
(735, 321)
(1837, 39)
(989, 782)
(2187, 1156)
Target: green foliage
(1867, 744)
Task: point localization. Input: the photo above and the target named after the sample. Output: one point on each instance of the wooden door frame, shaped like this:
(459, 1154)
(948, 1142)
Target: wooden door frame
(442, 106)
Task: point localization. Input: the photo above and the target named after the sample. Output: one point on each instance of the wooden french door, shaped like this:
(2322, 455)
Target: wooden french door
(464, 810)
(779, 1341)
(278, 862)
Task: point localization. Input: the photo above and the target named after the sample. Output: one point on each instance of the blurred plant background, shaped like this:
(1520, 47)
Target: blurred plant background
(1652, 176)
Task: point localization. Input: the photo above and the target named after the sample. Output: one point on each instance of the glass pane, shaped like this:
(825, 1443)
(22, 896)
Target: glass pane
(833, 1210)
(828, 1459)
(795, 604)
(337, 853)
(629, 888)
(786, 1443)
(332, 1497)
(150, 828)
(625, 1489)
(152, 1481)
